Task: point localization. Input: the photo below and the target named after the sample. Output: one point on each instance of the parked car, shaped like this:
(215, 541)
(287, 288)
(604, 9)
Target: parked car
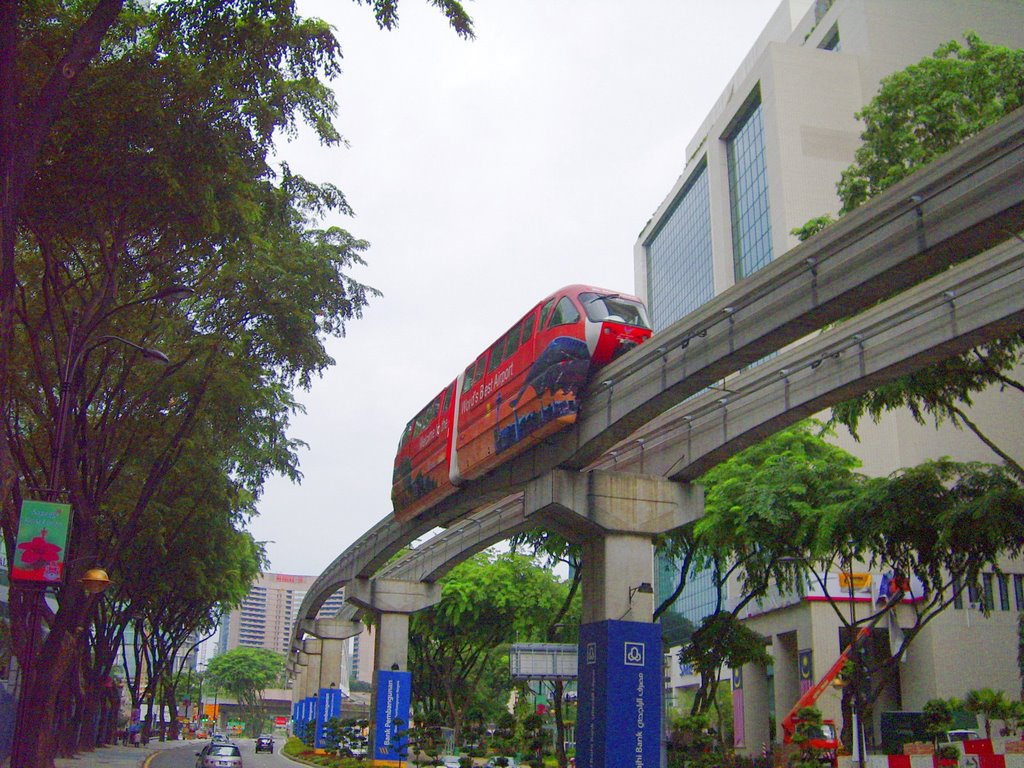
(495, 762)
(450, 761)
(265, 743)
(962, 734)
(219, 756)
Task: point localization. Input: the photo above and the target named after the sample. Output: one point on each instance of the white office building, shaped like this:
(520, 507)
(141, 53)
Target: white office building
(766, 160)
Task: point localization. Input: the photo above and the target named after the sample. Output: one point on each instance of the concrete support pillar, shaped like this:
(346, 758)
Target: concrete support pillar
(615, 516)
(331, 657)
(327, 638)
(615, 565)
(756, 726)
(311, 655)
(391, 644)
(392, 601)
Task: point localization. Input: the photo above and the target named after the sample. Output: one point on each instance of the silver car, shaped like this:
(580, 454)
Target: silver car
(219, 756)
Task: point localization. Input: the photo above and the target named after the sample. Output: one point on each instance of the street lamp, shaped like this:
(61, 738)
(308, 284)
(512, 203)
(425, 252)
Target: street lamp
(95, 581)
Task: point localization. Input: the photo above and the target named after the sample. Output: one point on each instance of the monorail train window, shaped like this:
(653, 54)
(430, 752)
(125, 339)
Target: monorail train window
(428, 414)
(601, 307)
(527, 328)
(474, 373)
(495, 353)
(565, 313)
(509, 344)
(546, 311)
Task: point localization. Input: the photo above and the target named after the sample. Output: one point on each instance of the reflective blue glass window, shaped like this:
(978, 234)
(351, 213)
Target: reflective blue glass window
(698, 598)
(748, 192)
(679, 267)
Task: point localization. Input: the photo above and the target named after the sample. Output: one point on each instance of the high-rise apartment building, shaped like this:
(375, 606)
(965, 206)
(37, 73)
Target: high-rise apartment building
(267, 615)
(766, 160)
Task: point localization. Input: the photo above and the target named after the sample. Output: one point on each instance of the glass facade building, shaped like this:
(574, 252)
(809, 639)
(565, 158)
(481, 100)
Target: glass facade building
(748, 192)
(680, 276)
(698, 598)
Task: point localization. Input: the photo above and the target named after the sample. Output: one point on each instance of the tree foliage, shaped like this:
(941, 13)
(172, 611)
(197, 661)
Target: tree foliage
(766, 516)
(458, 648)
(925, 110)
(101, 103)
(246, 673)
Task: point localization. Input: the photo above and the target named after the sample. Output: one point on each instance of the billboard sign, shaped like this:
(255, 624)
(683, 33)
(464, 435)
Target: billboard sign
(394, 695)
(619, 716)
(42, 542)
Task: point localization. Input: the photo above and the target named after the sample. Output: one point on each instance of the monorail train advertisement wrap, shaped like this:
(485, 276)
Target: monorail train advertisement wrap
(526, 386)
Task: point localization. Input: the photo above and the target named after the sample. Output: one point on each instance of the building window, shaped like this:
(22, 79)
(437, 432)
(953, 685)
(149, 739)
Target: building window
(958, 594)
(680, 276)
(990, 602)
(1004, 592)
(1018, 590)
(831, 40)
(698, 598)
(748, 191)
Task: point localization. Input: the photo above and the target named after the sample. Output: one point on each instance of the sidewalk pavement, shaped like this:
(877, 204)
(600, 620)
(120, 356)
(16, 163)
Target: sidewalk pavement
(117, 756)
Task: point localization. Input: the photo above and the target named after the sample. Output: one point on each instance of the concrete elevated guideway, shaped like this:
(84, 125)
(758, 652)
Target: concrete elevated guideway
(959, 309)
(967, 202)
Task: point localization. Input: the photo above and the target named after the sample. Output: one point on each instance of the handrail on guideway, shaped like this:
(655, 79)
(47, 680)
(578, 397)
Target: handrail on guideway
(959, 205)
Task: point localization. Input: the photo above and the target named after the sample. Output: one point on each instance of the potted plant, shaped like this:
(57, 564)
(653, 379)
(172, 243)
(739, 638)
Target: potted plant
(947, 755)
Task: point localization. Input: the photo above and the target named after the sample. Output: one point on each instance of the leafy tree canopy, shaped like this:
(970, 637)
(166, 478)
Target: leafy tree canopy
(927, 109)
(458, 647)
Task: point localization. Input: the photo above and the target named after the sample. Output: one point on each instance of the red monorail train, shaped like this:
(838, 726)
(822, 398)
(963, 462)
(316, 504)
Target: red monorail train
(525, 387)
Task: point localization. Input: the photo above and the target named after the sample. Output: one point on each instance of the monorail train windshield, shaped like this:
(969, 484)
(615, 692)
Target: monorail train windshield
(612, 307)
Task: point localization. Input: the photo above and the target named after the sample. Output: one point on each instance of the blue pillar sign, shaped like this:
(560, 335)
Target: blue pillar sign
(394, 695)
(619, 716)
(308, 711)
(328, 706)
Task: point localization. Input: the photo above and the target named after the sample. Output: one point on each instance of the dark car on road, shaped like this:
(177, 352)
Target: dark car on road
(265, 743)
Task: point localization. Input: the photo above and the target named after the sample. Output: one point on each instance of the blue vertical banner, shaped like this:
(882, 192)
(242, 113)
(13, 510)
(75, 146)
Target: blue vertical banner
(309, 712)
(619, 716)
(328, 705)
(394, 696)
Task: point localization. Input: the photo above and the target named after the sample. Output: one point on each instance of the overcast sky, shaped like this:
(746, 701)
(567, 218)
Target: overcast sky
(485, 175)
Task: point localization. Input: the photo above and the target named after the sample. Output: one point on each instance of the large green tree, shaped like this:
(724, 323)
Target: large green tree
(99, 105)
(763, 515)
(246, 673)
(792, 509)
(917, 115)
(455, 646)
